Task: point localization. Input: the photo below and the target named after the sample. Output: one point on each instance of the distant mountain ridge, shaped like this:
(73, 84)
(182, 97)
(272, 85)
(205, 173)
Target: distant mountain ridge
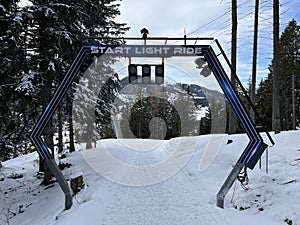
(201, 95)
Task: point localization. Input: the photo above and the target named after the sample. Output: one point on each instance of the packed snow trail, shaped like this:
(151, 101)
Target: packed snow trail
(177, 200)
(187, 197)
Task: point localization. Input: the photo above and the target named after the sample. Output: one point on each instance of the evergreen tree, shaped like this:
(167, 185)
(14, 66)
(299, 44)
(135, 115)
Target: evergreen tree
(276, 51)
(59, 26)
(15, 86)
(264, 101)
(104, 107)
(214, 121)
(38, 43)
(289, 64)
(172, 114)
(205, 123)
(144, 122)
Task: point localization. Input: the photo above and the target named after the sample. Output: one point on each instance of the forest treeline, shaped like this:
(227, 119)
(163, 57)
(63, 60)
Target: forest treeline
(38, 42)
(289, 82)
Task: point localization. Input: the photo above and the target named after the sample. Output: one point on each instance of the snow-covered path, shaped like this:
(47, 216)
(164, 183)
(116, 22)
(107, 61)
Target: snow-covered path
(176, 199)
(186, 198)
(154, 204)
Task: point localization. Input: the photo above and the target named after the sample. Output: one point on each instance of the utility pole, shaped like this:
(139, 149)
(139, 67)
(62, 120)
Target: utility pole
(275, 111)
(254, 61)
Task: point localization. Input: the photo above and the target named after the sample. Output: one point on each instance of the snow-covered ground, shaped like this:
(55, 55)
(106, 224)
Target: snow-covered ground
(188, 197)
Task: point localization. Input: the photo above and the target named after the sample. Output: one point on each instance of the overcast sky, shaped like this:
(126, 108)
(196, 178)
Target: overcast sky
(211, 18)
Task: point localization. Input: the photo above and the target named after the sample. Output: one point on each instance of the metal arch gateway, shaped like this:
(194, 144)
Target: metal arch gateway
(248, 158)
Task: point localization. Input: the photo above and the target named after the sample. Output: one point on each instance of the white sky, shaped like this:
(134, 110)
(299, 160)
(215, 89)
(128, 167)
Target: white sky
(211, 18)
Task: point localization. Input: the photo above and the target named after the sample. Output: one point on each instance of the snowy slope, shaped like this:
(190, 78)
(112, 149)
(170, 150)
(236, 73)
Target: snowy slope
(188, 197)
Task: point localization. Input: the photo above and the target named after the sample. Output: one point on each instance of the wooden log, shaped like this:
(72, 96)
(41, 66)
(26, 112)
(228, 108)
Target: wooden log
(76, 183)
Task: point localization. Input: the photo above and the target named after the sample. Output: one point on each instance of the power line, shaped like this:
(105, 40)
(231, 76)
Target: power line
(199, 28)
(210, 22)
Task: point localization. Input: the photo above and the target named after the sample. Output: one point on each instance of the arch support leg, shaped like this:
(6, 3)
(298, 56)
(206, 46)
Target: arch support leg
(61, 181)
(228, 183)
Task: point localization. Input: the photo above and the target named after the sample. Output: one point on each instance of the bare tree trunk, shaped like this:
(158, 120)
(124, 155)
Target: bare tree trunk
(275, 111)
(48, 136)
(41, 164)
(254, 61)
(293, 103)
(60, 130)
(48, 139)
(70, 122)
(47, 174)
(232, 118)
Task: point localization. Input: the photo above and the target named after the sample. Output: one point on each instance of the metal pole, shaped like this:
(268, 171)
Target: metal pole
(260, 163)
(228, 183)
(61, 181)
(267, 161)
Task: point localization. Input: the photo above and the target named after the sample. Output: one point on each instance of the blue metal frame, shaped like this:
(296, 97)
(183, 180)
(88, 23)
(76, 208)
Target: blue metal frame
(256, 145)
(36, 133)
(249, 157)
